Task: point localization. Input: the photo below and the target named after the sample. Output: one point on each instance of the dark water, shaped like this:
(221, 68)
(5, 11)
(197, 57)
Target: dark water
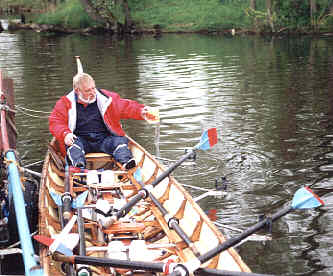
(270, 99)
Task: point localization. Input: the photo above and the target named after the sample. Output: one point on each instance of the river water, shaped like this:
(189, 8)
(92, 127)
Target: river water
(270, 99)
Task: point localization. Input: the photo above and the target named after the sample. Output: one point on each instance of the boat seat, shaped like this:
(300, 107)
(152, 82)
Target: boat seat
(97, 160)
(125, 227)
(97, 155)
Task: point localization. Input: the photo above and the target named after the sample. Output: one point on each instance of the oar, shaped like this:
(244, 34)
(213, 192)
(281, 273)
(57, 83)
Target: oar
(66, 209)
(208, 140)
(217, 272)
(171, 221)
(65, 231)
(141, 265)
(66, 197)
(304, 198)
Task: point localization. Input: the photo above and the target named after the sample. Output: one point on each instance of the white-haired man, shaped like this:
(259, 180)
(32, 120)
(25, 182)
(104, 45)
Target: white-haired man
(88, 120)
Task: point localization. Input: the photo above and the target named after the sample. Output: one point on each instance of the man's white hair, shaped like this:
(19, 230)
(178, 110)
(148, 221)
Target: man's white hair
(80, 78)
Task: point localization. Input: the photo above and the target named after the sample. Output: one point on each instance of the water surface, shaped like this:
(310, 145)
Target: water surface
(270, 99)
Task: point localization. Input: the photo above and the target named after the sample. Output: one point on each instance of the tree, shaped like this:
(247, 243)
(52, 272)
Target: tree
(253, 6)
(313, 12)
(128, 18)
(104, 11)
(270, 14)
(100, 11)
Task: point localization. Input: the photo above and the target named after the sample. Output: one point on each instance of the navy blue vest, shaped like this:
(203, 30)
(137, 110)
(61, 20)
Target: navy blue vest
(89, 123)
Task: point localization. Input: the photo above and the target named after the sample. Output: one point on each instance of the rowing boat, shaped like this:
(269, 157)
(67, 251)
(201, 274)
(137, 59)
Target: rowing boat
(118, 242)
(106, 220)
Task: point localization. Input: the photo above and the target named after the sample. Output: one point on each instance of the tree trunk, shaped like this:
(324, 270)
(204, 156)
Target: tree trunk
(88, 7)
(253, 6)
(313, 11)
(128, 24)
(270, 14)
(99, 11)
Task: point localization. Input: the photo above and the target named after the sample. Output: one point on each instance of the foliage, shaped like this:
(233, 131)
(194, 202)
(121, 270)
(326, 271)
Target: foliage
(260, 18)
(176, 15)
(293, 14)
(34, 4)
(69, 14)
(296, 14)
(190, 15)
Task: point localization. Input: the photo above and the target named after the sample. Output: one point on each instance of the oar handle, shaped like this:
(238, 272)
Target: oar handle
(123, 211)
(173, 223)
(142, 194)
(67, 197)
(233, 241)
(107, 262)
(141, 265)
(218, 272)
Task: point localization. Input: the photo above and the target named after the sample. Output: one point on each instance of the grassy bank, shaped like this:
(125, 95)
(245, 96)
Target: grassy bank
(170, 15)
(178, 15)
(71, 14)
(192, 15)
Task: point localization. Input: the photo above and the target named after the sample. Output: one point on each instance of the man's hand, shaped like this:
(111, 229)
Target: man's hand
(69, 139)
(151, 114)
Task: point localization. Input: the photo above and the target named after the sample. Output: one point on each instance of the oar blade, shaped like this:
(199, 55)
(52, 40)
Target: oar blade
(305, 198)
(208, 139)
(138, 175)
(63, 249)
(80, 200)
(47, 241)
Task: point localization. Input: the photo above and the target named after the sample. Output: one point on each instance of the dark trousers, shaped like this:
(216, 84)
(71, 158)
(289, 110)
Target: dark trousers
(117, 146)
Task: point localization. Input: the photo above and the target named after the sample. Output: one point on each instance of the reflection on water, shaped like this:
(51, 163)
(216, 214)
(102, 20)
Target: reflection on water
(4, 24)
(269, 98)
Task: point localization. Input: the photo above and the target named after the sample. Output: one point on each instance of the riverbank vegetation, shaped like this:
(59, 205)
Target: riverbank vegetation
(257, 16)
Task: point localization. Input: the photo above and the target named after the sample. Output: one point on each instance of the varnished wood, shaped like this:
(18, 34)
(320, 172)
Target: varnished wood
(147, 222)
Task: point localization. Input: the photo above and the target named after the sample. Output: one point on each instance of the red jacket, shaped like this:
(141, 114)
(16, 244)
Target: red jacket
(112, 108)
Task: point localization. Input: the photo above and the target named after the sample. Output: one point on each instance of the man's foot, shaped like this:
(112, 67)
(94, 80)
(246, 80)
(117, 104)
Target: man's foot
(130, 164)
(76, 157)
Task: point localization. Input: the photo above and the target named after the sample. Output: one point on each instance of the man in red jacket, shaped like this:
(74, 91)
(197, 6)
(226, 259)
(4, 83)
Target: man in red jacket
(88, 120)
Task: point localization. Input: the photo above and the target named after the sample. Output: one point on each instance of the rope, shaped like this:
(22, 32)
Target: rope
(34, 163)
(8, 162)
(20, 109)
(32, 110)
(6, 108)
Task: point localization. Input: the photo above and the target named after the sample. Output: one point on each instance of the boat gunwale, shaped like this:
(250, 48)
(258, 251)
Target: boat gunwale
(187, 198)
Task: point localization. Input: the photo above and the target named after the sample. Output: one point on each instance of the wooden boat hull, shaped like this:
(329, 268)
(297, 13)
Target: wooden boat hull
(134, 236)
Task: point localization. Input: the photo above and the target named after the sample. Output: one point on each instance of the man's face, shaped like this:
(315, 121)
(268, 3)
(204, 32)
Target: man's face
(87, 91)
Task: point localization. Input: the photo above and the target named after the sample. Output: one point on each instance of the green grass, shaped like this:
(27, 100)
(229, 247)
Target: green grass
(70, 14)
(171, 15)
(195, 15)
